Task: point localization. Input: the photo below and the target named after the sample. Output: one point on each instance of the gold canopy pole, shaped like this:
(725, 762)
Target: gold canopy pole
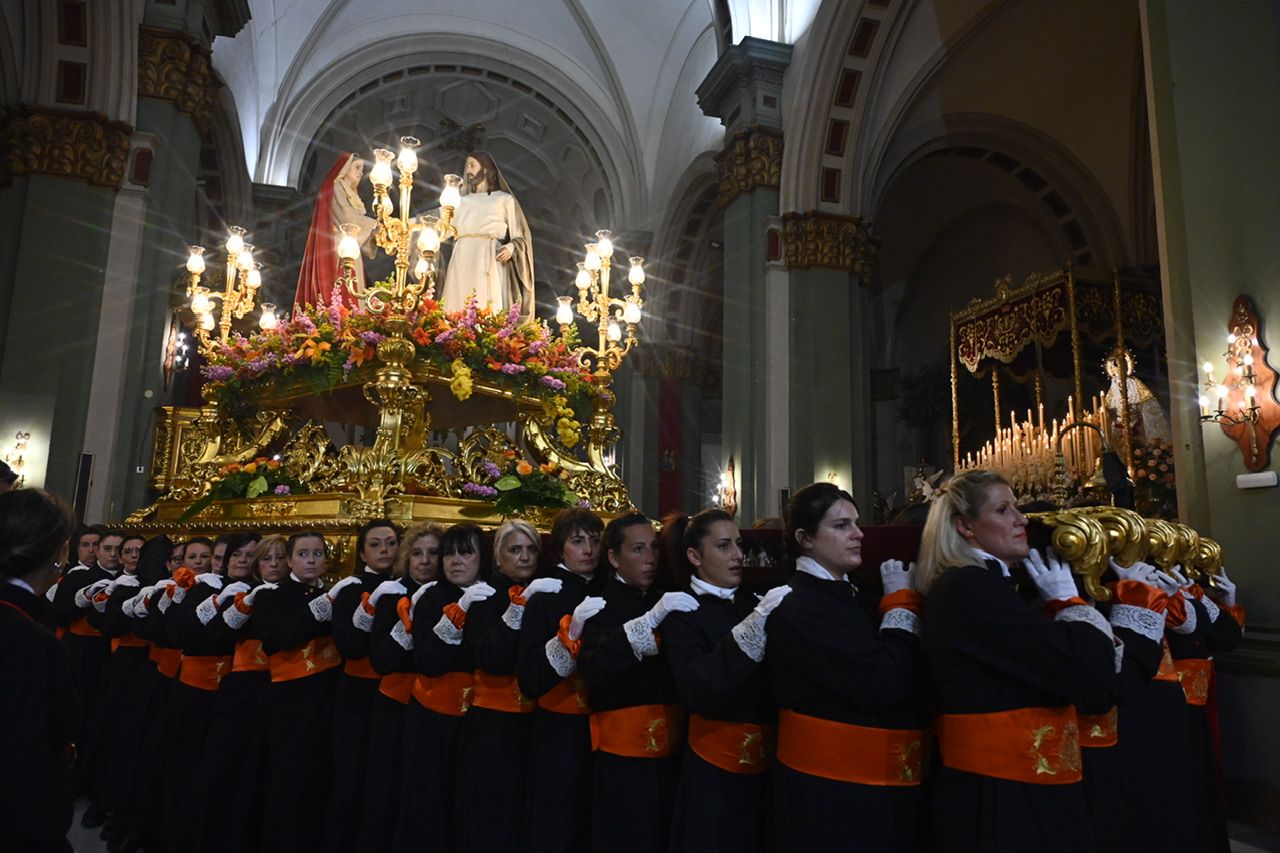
(1075, 334)
(955, 401)
(995, 393)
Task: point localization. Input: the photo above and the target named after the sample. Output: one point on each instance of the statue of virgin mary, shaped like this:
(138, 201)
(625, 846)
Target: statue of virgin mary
(339, 203)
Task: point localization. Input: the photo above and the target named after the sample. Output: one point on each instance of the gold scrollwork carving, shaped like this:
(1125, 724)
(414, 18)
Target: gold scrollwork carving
(173, 66)
(80, 145)
(815, 239)
(751, 159)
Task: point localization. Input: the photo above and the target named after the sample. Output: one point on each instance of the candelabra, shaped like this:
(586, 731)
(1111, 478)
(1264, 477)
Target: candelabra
(243, 278)
(1238, 395)
(608, 312)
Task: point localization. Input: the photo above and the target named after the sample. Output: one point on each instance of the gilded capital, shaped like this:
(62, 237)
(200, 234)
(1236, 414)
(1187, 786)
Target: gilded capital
(81, 145)
(828, 240)
(173, 66)
(753, 158)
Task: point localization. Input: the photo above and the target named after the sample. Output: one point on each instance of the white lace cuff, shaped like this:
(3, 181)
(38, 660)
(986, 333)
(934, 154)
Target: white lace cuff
(165, 601)
(900, 619)
(640, 636)
(177, 594)
(1188, 627)
(83, 601)
(750, 637)
(1084, 613)
(362, 619)
(206, 610)
(559, 658)
(1140, 620)
(235, 617)
(1211, 607)
(513, 616)
(321, 608)
(1119, 655)
(448, 632)
(402, 636)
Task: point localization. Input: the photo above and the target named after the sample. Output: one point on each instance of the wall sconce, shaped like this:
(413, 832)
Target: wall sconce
(725, 495)
(14, 456)
(1245, 404)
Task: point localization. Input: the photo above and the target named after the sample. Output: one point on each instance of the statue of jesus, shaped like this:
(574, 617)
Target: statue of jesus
(492, 253)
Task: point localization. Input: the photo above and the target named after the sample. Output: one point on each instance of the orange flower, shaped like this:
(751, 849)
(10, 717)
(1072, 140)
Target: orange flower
(231, 469)
(510, 454)
(311, 348)
(361, 354)
(523, 468)
(251, 468)
(548, 467)
(273, 464)
(422, 337)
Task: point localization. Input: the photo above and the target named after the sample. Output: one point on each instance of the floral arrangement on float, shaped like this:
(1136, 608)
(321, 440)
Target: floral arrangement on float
(261, 476)
(319, 347)
(517, 486)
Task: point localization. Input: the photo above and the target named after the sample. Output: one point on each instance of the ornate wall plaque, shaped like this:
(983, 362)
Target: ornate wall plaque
(752, 158)
(816, 239)
(38, 141)
(172, 66)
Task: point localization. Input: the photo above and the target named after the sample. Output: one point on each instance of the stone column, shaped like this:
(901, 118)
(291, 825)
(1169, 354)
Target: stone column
(744, 90)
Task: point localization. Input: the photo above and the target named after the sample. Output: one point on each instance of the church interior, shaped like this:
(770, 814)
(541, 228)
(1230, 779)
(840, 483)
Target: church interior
(872, 242)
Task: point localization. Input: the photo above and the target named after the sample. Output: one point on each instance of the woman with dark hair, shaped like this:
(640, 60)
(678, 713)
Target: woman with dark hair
(715, 654)
(293, 621)
(636, 715)
(441, 691)
(844, 677)
(376, 543)
(1007, 677)
(558, 788)
(391, 654)
(39, 716)
(494, 742)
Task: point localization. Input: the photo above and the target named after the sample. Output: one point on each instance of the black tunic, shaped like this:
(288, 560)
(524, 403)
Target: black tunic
(386, 731)
(632, 797)
(39, 718)
(427, 801)
(145, 812)
(120, 707)
(989, 650)
(493, 745)
(299, 713)
(827, 658)
(717, 810)
(558, 788)
(352, 703)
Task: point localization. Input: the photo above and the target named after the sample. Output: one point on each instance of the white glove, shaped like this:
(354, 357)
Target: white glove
(419, 592)
(1223, 584)
(230, 590)
(478, 591)
(895, 578)
(749, 634)
(210, 579)
(1177, 575)
(587, 608)
(541, 585)
(771, 599)
(1053, 580)
(341, 585)
(253, 593)
(123, 580)
(670, 603)
(321, 607)
(136, 607)
(386, 588)
(84, 595)
(1166, 583)
(169, 593)
(1139, 571)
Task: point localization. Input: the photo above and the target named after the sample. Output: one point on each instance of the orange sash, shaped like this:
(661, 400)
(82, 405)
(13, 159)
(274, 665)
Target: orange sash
(733, 747)
(848, 753)
(500, 693)
(128, 641)
(567, 697)
(1167, 671)
(397, 686)
(1040, 746)
(166, 660)
(641, 731)
(1098, 730)
(448, 694)
(204, 672)
(360, 668)
(82, 628)
(1194, 673)
(318, 655)
(249, 657)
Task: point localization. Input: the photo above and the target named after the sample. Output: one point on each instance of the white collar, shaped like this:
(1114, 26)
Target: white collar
(810, 566)
(318, 584)
(701, 587)
(370, 570)
(984, 555)
(587, 577)
(21, 584)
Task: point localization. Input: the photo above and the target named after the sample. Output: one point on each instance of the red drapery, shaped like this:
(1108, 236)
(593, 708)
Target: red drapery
(320, 261)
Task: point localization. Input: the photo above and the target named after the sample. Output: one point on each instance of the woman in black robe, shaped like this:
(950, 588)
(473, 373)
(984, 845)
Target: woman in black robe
(441, 692)
(846, 682)
(636, 716)
(376, 543)
(715, 654)
(1007, 677)
(558, 786)
(391, 654)
(293, 620)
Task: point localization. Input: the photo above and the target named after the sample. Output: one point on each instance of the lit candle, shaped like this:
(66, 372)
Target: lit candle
(564, 311)
(636, 275)
(1222, 397)
(451, 195)
(1204, 405)
(348, 245)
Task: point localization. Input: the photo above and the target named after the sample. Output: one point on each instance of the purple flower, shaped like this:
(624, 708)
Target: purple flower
(258, 365)
(537, 346)
(513, 369)
(305, 322)
(490, 470)
(513, 315)
(371, 337)
(479, 490)
(552, 382)
(217, 372)
(281, 489)
(584, 504)
(444, 336)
